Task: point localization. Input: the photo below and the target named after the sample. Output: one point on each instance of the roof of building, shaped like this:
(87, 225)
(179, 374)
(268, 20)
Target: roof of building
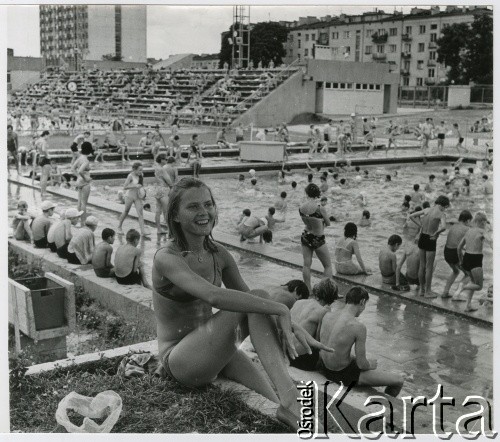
(171, 60)
(396, 16)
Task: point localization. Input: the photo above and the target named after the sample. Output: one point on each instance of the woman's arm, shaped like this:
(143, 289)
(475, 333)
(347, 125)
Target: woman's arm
(129, 184)
(355, 247)
(326, 220)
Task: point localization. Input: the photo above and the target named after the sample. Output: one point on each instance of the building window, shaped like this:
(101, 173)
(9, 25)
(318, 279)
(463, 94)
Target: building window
(433, 37)
(392, 48)
(335, 51)
(306, 52)
(408, 30)
(377, 87)
(406, 66)
(432, 55)
(381, 32)
(422, 29)
(368, 50)
(393, 31)
(369, 32)
(298, 34)
(444, 25)
(431, 72)
(307, 37)
(335, 35)
(342, 85)
(347, 51)
(407, 48)
(358, 86)
(347, 34)
(313, 36)
(371, 87)
(8, 77)
(406, 81)
(421, 47)
(118, 31)
(365, 86)
(420, 81)
(299, 43)
(348, 85)
(335, 86)
(298, 57)
(420, 64)
(328, 85)
(380, 49)
(434, 26)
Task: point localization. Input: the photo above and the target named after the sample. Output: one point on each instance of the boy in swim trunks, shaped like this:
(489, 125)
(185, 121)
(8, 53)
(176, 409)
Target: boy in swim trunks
(21, 223)
(388, 264)
(472, 260)
(128, 265)
(41, 224)
(455, 235)
(341, 330)
(309, 313)
(433, 224)
(412, 259)
(101, 258)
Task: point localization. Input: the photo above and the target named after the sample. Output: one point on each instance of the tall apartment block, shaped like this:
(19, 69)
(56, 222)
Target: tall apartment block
(88, 32)
(407, 42)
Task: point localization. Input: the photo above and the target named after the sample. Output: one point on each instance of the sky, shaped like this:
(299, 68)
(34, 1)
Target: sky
(175, 29)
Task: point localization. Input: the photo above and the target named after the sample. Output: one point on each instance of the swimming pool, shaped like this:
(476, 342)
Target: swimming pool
(383, 200)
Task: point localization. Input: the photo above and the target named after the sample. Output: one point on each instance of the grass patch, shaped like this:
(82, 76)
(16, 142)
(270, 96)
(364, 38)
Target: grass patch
(150, 404)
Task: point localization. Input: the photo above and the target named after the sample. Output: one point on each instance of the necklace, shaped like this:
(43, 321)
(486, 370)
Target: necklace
(200, 258)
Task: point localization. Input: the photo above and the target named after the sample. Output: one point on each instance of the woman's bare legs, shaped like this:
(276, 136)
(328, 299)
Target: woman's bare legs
(83, 197)
(201, 355)
(324, 256)
(126, 210)
(140, 214)
(307, 254)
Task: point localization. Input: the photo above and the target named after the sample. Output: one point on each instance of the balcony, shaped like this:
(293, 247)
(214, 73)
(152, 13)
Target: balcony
(406, 37)
(379, 57)
(431, 63)
(405, 54)
(379, 38)
(433, 45)
(430, 81)
(405, 72)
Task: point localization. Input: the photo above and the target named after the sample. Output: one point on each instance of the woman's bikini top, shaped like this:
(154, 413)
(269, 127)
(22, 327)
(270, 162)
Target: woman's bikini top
(164, 287)
(316, 214)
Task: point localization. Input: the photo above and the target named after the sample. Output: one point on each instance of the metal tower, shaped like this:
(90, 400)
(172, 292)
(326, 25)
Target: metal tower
(241, 37)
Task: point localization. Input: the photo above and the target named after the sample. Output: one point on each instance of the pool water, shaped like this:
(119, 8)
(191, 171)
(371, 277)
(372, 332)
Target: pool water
(383, 200)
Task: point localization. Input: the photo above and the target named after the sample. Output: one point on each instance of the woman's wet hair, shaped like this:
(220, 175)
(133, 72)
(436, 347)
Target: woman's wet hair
(312, 191)
(426, 205)
(174, 201)
(299, 287)
(136, 165)
(356, 295)
(326, 290)
(351, 230)
(366, 214)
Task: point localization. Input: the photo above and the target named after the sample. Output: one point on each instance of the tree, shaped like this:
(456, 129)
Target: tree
(479, 60)
(468, 51)
(266, 44)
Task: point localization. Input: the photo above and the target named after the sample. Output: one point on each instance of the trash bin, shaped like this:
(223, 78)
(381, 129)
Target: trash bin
(47, 300)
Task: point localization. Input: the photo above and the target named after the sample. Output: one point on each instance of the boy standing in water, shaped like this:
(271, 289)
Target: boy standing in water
(455, 235)
(472, 260)
(433, 223)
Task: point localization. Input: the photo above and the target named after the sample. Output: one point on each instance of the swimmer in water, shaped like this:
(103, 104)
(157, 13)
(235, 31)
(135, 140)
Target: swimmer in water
(361, 199)
(365, 219)
(429, 186)
(281, 204)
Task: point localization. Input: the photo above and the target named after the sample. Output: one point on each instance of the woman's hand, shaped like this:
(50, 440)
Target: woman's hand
(308, 341)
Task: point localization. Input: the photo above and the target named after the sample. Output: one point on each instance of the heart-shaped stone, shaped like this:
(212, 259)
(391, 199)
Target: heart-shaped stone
(108, 403)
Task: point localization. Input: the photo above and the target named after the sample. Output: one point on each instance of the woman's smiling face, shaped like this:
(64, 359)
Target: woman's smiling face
(197, 212)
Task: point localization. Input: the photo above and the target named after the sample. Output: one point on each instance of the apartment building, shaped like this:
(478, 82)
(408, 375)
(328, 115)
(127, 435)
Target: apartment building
(407, 42)
(73, 33)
